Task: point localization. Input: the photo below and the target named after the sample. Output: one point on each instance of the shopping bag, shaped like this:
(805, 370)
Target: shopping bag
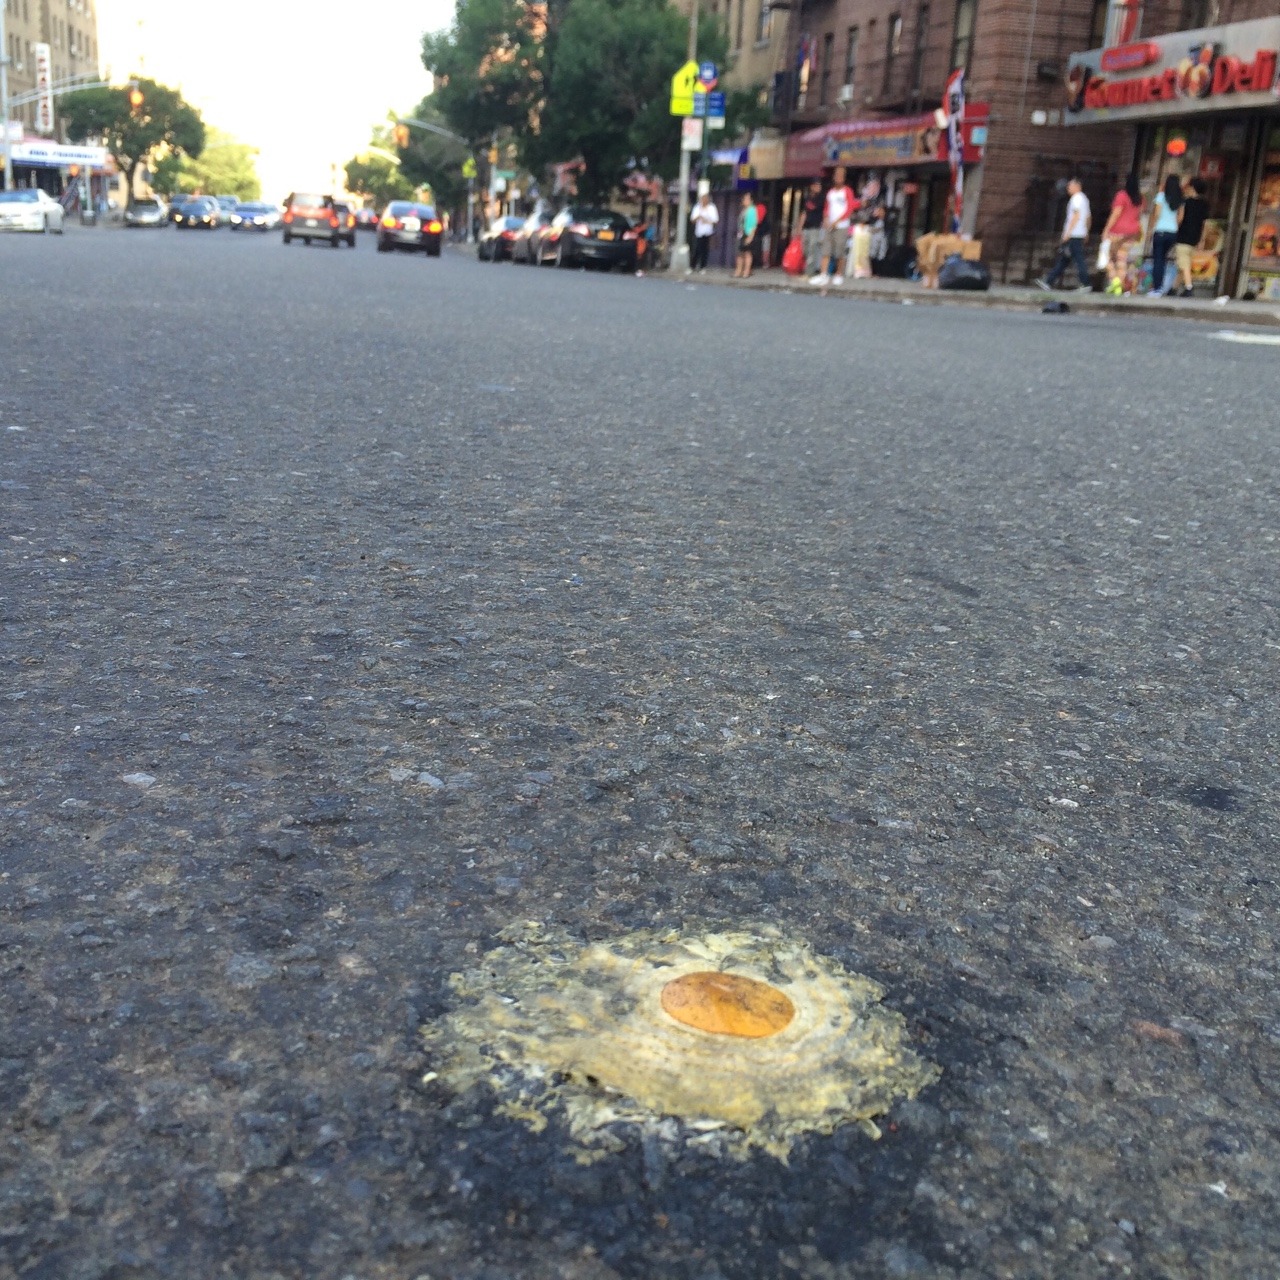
(793, 257)
(1104, 255)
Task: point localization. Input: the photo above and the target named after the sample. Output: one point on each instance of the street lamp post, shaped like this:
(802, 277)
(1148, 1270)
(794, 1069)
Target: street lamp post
(4, 100)
(682, 209)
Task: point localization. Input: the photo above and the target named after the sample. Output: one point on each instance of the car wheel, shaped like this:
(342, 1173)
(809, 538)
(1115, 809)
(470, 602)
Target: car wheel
(45, 227)
(351, 241)
(562, 259)
(288, 239)
(383, 247)
(307, 241)
(435, 253)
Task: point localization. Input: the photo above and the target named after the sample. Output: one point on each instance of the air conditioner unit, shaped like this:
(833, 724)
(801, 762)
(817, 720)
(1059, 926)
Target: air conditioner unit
(846, 93)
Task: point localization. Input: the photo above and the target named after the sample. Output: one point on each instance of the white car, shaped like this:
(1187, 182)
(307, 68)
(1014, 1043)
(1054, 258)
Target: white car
(29, 209)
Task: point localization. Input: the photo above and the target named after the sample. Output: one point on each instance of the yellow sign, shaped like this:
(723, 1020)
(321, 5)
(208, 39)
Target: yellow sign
(682, 89)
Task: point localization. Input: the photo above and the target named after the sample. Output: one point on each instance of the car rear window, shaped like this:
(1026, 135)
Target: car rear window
(20, 197)
(310, 202)
(400, 207)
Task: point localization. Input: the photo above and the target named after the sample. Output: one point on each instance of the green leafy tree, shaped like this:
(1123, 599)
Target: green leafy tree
(161, 121)
(225, 167)
(432, 160)
(377, 177)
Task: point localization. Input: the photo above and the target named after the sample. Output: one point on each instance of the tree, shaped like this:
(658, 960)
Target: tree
(224, 166)
(132, 131)
(434, 161)
(378, 177)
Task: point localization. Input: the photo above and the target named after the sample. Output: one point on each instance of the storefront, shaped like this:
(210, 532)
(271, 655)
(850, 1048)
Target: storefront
(56, 166)
(901, 163)
(1205, 104)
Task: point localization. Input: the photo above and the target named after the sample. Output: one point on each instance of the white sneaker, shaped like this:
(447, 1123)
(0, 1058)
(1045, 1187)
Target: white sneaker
(818, 279)
(837, 279)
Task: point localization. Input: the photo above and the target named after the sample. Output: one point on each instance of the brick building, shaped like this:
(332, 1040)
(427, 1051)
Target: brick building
(856, 81)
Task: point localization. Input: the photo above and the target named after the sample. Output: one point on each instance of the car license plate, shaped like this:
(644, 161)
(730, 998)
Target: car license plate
(311, 222)
(412, 224)
(605, 235)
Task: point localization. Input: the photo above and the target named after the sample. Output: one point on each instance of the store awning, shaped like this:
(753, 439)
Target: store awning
(58, 155)
(895, 143)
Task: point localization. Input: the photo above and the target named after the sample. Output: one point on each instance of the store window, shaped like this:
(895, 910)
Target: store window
(850, 59)
(1098, 24)
(824, 82)
(1198, 13)
(742, 12)
(962, 39)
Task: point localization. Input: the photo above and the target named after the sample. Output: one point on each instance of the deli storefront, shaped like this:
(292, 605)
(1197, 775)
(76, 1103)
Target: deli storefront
(902, 163)
(1206, 104)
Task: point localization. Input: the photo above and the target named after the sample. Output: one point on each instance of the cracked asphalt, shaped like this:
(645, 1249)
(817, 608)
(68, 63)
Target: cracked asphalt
(356, 607)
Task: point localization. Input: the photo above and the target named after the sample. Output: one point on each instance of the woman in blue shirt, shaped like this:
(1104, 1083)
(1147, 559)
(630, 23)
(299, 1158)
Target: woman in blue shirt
(747, 233)
(1164, 231)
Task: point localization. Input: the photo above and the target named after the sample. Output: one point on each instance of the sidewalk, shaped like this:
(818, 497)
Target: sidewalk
(1008, 297)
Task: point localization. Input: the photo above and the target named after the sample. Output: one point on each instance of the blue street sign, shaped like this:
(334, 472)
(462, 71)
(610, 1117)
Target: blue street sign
(715, 104)
(708, 73)
(699, 104)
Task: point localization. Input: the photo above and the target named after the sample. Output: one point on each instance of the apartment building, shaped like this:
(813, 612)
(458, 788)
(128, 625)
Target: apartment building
(856, 82)
(68, 27)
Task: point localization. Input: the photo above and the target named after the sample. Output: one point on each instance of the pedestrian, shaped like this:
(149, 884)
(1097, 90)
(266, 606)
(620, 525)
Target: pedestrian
(1164, 234)
(837, 213)
(705, 219)
(811, 227)
(1191, 223)
(1075, 230)
(747, 222)
(1124, 227)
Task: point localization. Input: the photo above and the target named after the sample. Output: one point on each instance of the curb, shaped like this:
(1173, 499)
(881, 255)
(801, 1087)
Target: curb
(1249, 313)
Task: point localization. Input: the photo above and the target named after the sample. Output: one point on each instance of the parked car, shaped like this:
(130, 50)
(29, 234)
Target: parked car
(255, 216)
(524, 248)
(311, 217)
(580, 235)
(495, 244)
(346, 223)
(147, 213)
(366, 220)
(202, 211)
(406, 225)
(227, 205)
(29, 209)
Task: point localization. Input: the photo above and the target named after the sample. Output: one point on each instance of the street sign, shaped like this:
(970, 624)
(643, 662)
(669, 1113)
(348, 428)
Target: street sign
(469, 167)
(715, 122)
(699, 104)
(708, 73)
(691, 134)
(44, 85)
(708, 104)
(682, 89)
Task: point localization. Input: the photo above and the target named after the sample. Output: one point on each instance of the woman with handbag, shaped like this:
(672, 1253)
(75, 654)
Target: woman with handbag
(1124, 227)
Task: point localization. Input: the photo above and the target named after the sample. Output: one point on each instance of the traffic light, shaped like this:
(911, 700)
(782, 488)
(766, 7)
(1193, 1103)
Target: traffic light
(136, 97)
(401, 133)
(493, 155)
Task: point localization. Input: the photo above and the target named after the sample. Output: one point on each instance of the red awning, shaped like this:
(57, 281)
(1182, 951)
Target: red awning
(898, 142)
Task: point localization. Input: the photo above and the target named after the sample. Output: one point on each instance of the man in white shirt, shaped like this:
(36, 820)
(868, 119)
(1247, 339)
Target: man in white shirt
(837, 217)
(1075, 231)
(705, 219)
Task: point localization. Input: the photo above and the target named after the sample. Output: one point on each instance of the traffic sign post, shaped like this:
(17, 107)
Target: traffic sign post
(708, 73)
(681, 94)
(682, 89)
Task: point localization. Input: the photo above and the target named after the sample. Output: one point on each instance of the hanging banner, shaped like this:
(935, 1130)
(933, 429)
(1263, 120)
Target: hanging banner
(953, 105)
(44, 87)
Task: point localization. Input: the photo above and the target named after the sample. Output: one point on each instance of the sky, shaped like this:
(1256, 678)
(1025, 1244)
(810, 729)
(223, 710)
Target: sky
(304, 83)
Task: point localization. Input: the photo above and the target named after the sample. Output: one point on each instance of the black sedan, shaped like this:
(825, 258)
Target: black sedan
(202, 212)
(588, 237)
(495, 244)
(406, 225)
(524, 248)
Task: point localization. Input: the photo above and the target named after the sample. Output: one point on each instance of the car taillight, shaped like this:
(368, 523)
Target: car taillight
(389, 221)
(333, 219)
(288, 217)
(434, 226)
(580, 228)
(508, 235)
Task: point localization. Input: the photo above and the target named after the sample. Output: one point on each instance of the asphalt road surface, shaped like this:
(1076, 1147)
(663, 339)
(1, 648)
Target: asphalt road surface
(356, 607)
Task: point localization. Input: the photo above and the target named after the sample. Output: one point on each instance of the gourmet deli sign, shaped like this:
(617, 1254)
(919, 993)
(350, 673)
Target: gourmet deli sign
(1225, 68)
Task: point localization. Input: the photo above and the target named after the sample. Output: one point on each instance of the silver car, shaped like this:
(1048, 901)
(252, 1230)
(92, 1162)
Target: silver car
(147, 213)
(29, 209)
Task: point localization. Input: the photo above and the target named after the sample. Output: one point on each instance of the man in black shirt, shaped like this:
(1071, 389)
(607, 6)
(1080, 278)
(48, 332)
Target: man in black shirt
(1191, 219)
(811, 228)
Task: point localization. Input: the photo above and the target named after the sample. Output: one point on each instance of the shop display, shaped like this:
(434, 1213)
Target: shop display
(1264, 245)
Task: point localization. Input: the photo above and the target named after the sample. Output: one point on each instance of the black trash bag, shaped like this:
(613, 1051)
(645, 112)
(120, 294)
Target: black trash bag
(959, 273)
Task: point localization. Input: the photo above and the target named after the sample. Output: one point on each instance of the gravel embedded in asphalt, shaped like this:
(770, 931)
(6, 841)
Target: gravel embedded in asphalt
(357, 606)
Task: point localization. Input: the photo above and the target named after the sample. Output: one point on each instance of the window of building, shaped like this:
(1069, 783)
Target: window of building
(1098, 24)
(1196, 13)
(962, 39)
(764, 23)
(850, 57)
(917, 57)
(824, 83)
(893, 47)
(742, 14)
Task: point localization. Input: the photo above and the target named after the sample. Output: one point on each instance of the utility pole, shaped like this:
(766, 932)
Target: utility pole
(4, 100)
(682, 215)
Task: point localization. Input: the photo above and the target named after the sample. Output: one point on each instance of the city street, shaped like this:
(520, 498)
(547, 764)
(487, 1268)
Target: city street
(361, 609)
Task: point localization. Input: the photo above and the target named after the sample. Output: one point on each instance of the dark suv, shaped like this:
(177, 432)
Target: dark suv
(346, 223)
(310, 217)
